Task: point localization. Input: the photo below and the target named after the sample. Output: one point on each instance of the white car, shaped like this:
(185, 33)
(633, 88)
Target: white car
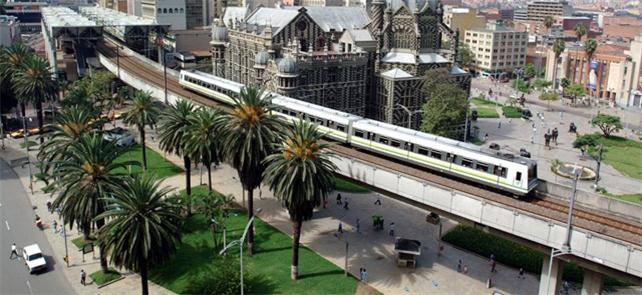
(121, 136)
(33, 258)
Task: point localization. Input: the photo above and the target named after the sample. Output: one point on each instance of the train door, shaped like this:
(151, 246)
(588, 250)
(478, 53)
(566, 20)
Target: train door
(519, 178)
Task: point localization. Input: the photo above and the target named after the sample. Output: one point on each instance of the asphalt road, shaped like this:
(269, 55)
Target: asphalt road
(17, 226)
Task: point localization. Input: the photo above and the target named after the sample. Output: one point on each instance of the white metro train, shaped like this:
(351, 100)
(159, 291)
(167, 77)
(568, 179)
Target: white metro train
(505, 172)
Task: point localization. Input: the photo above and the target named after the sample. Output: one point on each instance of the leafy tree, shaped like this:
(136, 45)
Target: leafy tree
(530, 71)
(466, 56)
(33, 83)
(558, 47)
(72, 123)
(521, 86)
(8, 100)
(86, 179)
(174, 124)
(548, 97)
(446, 106)
(143, 113)
(13, 60)
(204, 139)
(548, 22)
(580, 31)
(144, 225)
(214, 206)
(575, 90)
(300, 174)
(586, 141)
(565, 84)
(607, 123)
(225, 279)
(252, 131)
(542, 84)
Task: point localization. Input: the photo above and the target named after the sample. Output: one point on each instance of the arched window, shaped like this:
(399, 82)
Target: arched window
(164, 10)
(171, 10)
(182, 10)
(159, 10)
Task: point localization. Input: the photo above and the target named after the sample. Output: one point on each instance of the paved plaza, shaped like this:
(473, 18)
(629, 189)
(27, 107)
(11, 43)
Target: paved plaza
(514, 134)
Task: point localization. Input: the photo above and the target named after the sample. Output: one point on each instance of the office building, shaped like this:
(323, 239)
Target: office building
(539, 9)
(463, 19)
(165, 12)
(497, 49)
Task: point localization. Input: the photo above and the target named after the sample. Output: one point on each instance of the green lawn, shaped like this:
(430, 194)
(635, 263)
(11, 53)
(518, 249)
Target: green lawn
(483, 112)
(100, 278)
(156, 163)
(348, 186)
(633, 198)
(485, 108)
(624, 155)
(510, 253)
(80, 242)
(269, 268)
(512, 112)
(484, 102)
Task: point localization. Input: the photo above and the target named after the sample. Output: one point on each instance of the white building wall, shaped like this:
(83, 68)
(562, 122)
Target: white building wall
(166, 12)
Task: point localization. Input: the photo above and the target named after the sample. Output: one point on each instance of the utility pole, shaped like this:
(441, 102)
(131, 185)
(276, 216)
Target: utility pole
(599, 163)
(26, 142)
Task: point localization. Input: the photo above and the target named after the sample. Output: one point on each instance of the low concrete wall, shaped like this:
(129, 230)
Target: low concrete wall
(593, 200)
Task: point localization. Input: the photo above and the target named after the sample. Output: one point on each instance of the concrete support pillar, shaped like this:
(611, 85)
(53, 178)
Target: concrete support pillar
(555, 278)
(592, 282)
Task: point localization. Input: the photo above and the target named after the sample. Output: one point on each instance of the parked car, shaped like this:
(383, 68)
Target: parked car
(33, 258)
(526, 114)
(524, 153)
(122, 137)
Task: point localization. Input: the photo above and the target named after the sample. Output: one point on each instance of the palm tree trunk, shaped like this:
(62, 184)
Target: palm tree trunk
(143, 275)
(40, 119)
(188, 183)
(142, 142)
(86, 230)
(296, 236)
(209, 176)
(250, 231)
(23, 108)
(103, 254)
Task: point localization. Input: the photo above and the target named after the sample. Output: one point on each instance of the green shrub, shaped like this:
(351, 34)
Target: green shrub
(512, 112)
(103, 277)
(511, 253)
(224, 279)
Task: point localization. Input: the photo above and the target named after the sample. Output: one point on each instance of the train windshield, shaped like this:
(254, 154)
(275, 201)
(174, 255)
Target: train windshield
(532, 171)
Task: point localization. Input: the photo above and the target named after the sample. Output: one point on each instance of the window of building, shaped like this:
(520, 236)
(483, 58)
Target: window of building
(164, 10)
(159, 10)
(182, 10)
(171, 10)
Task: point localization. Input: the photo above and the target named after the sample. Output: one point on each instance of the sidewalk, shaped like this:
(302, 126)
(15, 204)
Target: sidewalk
(130, 284)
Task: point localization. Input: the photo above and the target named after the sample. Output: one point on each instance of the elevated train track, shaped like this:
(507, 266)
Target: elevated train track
(554, 209)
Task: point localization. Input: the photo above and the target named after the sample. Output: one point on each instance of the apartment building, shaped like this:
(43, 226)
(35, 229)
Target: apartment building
(463, 19)
(538, 10)
(497, 49)
(166, 12)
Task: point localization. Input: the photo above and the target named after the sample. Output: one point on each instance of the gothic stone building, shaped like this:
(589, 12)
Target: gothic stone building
(369, 64)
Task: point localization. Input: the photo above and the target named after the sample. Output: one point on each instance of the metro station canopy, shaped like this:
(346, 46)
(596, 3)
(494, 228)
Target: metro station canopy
(63, 22)
(121, 25)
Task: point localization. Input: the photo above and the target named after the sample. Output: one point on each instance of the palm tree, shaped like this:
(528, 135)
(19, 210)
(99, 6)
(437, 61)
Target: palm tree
(590, 46)
(144, 225)
(86, 177)
(300, 174)
(252, 131)
(69, 126)
(558, 47)
(548, 22)
(13, 61)
(34, 83)
(143, 113)
(580, 31)
(203, 139)
(173, 125)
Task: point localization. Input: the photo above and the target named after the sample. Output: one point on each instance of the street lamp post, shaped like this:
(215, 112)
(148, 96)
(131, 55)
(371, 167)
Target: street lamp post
(240, 242)
(566, 247)
(410, 113)
(26, 142)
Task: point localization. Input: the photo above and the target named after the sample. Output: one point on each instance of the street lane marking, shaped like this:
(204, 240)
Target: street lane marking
(7, 223)
(29, 287)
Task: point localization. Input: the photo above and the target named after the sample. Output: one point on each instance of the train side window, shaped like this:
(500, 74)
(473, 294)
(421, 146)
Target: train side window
(518, 176)
(435, 154)
(341, 127)
(467, 163)
(503, 172)
(383, 140)
(358, 133)
(422, 151)
(481, 167)
(395, 143)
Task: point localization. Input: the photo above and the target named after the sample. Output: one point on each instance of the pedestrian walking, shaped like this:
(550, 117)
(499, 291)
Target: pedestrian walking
(338, 199)
(392, 229)
(345, 205)
(49, 207)
(521, 273)
(83, 276)
(492, 256)
(556, 133)
(377, 202)
(493, 265)
(365, 275)
(54, 224)
(14, 251)
(499, 125)
(361, 274)
(358, 226)
(486, 137)
(441, 249)
(459, 266)
(547, 140)
(340, 230)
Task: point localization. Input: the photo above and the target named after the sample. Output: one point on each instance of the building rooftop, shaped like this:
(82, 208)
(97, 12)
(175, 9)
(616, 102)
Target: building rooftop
(411, 58)
(110, 17)
(338, 18)
(396, 74)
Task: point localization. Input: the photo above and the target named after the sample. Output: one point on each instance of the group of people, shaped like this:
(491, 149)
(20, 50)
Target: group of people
(551, 136)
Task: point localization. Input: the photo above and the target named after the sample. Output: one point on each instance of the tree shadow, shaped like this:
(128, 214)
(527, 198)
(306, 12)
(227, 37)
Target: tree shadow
(318, 274)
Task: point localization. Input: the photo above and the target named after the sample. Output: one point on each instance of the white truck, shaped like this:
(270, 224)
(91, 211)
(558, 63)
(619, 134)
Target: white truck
(33, 258)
